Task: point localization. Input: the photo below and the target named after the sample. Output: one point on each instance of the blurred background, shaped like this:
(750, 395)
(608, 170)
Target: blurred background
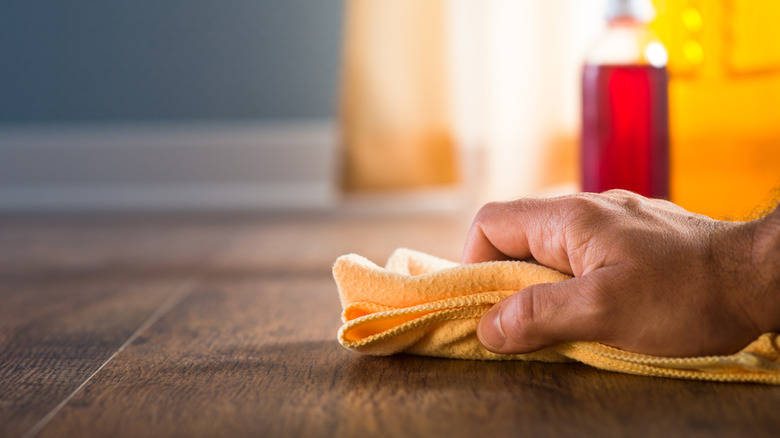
(360, 104)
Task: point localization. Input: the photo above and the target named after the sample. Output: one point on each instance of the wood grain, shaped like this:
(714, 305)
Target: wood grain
(251, 349)
(73, 290)
(258, 357)
(53, 335)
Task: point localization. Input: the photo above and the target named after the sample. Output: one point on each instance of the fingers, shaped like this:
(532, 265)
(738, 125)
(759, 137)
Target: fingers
(479, 247)
(519, 230)
(499, 231)
(543, 315)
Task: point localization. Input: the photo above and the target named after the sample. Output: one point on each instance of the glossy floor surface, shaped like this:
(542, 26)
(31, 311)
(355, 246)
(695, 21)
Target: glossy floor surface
(225, 325)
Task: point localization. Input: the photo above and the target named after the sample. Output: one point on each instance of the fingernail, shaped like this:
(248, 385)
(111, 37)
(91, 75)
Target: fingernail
(489, 330)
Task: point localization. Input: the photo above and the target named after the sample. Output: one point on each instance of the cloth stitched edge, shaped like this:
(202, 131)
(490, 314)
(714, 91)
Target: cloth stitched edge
(424, 305)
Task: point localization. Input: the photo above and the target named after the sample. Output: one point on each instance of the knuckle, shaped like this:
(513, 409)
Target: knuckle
(584, 212)
(518, 316)
(634, 203)
(619, 193)
(487, 211)
(628, 201)
(527, 313)
(585, 203)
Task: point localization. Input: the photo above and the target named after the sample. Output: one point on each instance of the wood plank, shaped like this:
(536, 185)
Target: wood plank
(73, 290)
(55, 334)
(251, 350)
(257, 356)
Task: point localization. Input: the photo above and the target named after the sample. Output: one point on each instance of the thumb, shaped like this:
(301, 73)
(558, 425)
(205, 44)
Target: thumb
(540, 315)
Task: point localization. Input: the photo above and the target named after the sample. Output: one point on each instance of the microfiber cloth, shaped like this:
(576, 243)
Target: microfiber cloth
(424, 305)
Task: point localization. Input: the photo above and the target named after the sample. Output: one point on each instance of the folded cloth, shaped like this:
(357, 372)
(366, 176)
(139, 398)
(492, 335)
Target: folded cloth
(424, 305)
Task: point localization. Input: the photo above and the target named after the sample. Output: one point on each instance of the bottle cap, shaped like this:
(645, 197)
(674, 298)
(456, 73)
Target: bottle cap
(639, 10)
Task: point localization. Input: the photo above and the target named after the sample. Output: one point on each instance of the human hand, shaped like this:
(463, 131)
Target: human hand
(649, 276)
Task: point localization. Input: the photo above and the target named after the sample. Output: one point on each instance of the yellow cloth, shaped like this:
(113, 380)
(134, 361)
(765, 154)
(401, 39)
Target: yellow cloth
(424, 305)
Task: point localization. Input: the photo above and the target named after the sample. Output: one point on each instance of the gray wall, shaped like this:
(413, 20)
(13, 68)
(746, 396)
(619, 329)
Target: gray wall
(149, 60)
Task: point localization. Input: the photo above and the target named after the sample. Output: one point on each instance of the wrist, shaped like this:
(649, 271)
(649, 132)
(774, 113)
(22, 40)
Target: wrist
(765, 258)
(746, 258)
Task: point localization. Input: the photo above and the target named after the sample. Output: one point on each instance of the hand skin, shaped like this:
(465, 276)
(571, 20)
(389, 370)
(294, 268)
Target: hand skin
(649, 276)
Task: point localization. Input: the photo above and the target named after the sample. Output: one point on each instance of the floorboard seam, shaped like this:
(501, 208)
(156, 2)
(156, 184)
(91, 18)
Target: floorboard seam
(182, 291)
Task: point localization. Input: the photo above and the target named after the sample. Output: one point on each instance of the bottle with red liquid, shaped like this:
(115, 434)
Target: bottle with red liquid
(625, 132)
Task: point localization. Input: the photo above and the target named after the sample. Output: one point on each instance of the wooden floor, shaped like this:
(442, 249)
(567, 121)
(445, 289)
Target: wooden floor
(226, 326)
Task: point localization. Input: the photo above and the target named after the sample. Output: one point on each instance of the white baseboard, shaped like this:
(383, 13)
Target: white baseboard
(174, 166)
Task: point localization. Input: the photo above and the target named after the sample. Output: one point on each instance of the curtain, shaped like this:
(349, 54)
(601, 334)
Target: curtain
(487, 92)
(395, 111)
